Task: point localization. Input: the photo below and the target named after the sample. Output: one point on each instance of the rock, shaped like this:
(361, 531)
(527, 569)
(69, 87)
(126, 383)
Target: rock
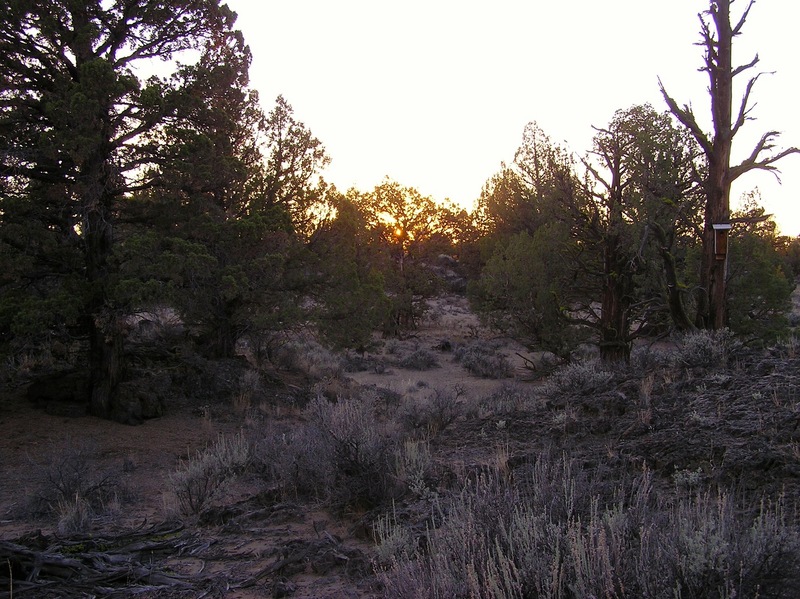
(142, 398)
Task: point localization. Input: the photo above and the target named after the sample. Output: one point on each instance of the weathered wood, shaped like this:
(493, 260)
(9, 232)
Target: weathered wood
(80, 567)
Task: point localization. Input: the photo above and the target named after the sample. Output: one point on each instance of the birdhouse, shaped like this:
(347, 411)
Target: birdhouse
(721, 240)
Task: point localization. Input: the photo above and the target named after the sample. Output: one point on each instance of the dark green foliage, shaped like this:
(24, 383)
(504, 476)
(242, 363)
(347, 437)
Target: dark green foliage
(351, 302)
(605, 251)
(523, 289)
(80, 132)
(225, 257)
(402, 224)
(791, 253)
(760, 283)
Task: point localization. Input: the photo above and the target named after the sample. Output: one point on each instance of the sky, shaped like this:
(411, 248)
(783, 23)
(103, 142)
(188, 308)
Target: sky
(435, 94)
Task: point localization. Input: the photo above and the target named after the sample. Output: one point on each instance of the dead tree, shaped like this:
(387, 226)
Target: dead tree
(717, 35)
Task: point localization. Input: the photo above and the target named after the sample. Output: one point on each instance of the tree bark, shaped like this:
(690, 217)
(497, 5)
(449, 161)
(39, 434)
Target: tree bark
(106, 366)
(615, 342)
(106, 334)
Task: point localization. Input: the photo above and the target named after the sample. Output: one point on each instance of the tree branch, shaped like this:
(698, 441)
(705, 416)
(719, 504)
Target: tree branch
(765, 164)
(736, 30)
(743, 109)
(744, 67)
(686, 116)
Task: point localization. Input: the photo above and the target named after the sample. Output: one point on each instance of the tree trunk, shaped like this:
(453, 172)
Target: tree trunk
(222, 340)
(615, 345)
(106, 366)
(712, 312)
(677, 309)
(106, 334)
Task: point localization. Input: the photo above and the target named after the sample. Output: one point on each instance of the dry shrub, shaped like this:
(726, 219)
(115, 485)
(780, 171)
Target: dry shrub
(73, 488)
(646, 359)
(482, 359)
(566, 534)
(308, 357)
(578, 378)
(420, 359)
(199, 478)
(249, 385)
(360, 450)
(432, 413)
(414, 467)
(505, 400)
(293, 461)
(343, 454)
(75, 516)
(705, 348)
(393, 541)
(712, 548)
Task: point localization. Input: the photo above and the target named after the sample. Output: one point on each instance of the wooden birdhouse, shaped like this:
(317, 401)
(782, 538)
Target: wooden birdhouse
(721, 240)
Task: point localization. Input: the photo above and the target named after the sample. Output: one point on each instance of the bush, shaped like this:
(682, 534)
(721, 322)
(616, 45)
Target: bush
(359, 451)
(294, 461)
(645, 359)
(432, 413)
(74, 516)
(508, 398)
(705, 348)
(580, 378)
(483, 360)
(413, 467)
(73, 488)
(342, 455)
(309, 357)
(198, 479)
(420, 359)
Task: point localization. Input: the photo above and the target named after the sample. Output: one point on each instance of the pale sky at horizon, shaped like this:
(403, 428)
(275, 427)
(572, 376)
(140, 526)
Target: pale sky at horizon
(435, 94)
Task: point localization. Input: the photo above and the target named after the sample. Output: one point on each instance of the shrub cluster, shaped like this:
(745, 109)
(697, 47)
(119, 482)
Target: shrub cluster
(506, 399)
(309, 357)
(343, 454)
(564, 535)
(432, 413)
(420, 359)
(483, 360)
